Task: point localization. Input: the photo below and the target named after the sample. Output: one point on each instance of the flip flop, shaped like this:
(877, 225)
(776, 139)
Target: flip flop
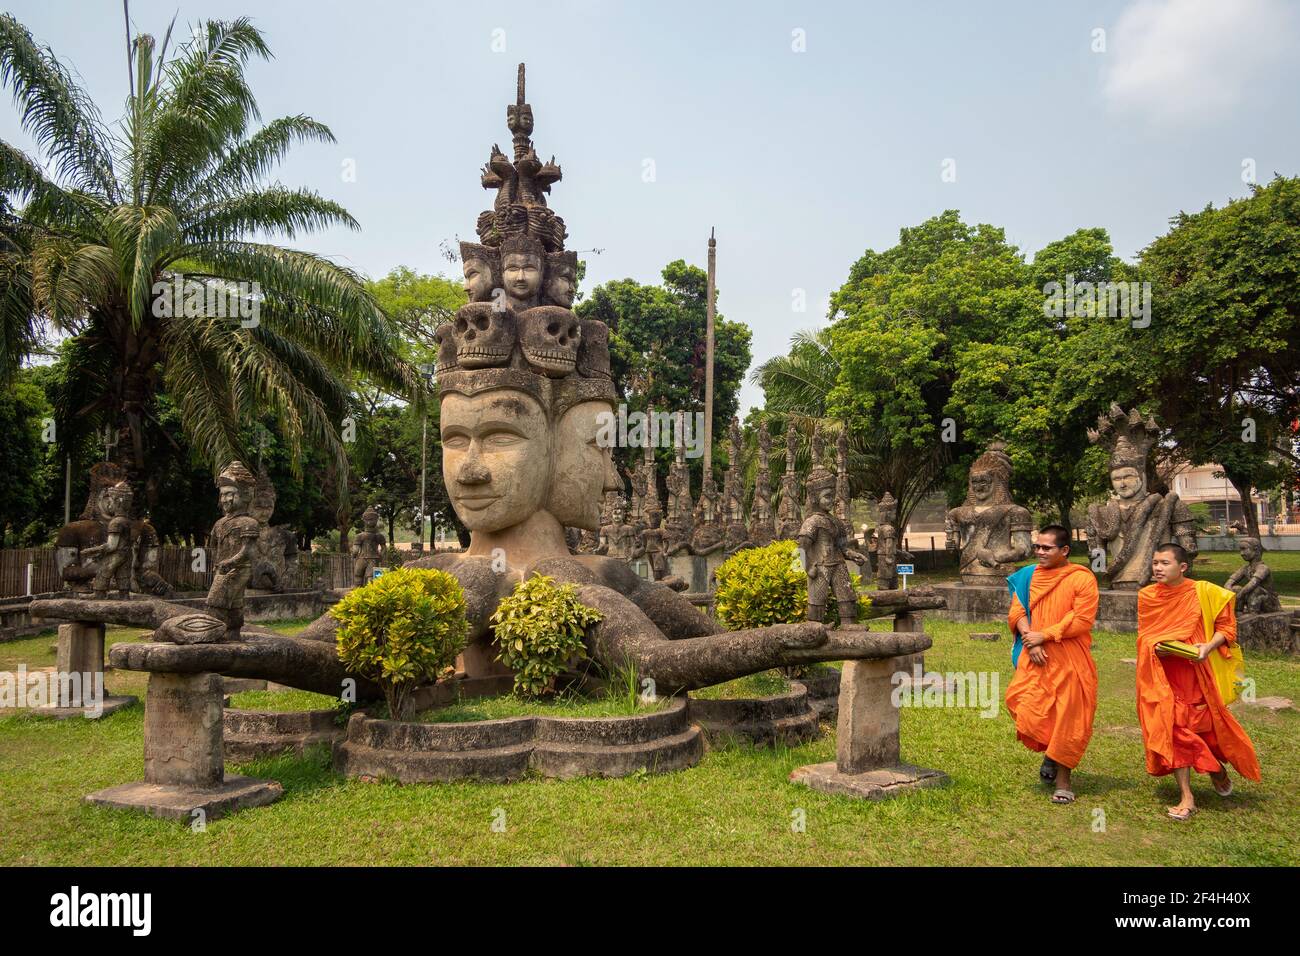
(1047, 772)
(1181, 814)
(1226, 792)
(1063, 796)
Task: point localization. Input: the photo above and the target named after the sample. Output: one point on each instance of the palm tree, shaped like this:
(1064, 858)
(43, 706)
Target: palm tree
(94, 244)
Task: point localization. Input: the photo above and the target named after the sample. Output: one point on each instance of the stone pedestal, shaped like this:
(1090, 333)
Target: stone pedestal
(1116, 610)
(867, 764)
(1274, 631)
(184, 769)
(80, 663)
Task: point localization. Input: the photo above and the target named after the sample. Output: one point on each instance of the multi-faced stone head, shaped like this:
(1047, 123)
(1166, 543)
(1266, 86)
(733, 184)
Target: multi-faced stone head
(522, 260)
(561, 278)
(481, 265)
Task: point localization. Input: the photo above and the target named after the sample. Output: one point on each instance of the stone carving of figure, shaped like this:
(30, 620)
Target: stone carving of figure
(888, 552)
(234, 543)
(1129, 527)
(367, 548)
(148, 553)
(482, 267)
(522, 259)
(561, 279)
(762, 530)
(824, 539)
(787, 514)
(112, 559)
(706, 536)
(679, 524)
(277, 547)
(72, 545)
(993, 532)
(618, 538)
(1253, 581)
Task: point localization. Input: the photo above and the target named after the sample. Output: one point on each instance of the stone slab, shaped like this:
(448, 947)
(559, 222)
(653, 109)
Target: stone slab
(1272, 704)
(986, 636)
(876, 784)
(1276, 631)
(173, 802)
(111, 705)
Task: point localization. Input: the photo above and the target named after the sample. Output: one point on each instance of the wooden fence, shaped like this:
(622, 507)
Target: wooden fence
(33, 570)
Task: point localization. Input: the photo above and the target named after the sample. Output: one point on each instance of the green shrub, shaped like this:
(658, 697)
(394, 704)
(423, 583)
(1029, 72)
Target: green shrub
(758, 587)
(540, 627)
(401, 630)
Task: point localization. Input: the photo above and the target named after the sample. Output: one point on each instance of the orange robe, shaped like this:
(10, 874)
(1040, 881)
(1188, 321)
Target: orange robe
(1053, 704)
(1184, 722)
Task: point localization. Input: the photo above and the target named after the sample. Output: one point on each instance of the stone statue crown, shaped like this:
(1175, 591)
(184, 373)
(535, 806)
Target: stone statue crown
(1128, 437)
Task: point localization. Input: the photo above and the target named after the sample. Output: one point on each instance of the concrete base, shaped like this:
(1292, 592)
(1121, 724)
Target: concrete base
(869, 785)
(1116, 610)
(111, 705)
(179, 802)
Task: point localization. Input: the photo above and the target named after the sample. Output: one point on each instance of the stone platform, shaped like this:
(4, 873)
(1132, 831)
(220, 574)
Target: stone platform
(1116, 610)
(869, 785)
(758, 721)
(1277, 631)
(179, 802)
(250, 734)
(502, 751)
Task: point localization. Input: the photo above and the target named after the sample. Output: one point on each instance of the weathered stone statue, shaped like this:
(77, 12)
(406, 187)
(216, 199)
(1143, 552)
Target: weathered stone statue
(706, 533)
(367, 548)
(1253, 581)
(787, 513)
(618, 538)
(1128, 527)
(482, 266)
(521, 461)
(824, 539)
(234, 545)
(993, 532)
(277, 546)
(113, 557)
(842, 496)
(888, 552)
(733, 504)
(679, 524)
(762, 529)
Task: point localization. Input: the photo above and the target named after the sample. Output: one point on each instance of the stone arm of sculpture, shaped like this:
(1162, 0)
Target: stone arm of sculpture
(1255, 581)
(602, 543)
(1019, 547)
(707, 549)
(1237, 578)
(244, 556)
(951, 533)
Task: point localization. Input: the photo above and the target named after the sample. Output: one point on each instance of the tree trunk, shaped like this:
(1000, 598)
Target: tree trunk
(1244, 488)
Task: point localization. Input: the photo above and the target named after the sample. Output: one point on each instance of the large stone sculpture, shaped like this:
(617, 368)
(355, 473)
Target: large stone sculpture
(367, 548)
(706, 526)
(888, 552)
(521, 461)
(824, 539)
(234, 543)
(277, 546)
(113, 557)
(762, 529)
(992, 532)
(618, 538)
(1127, 528)
(679, 523)
(787, 513)
(1253, 581)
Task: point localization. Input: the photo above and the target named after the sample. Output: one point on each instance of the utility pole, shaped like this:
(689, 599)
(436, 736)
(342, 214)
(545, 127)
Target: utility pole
(708, 358)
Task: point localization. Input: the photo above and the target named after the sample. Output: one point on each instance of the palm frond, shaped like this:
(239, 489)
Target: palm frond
(287, 211)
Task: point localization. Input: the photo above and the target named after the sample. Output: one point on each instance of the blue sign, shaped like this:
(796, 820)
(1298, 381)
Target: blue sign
(378, 572)
(905, 569)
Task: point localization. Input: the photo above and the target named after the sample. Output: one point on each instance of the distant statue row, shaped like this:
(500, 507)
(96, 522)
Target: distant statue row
(716, 524)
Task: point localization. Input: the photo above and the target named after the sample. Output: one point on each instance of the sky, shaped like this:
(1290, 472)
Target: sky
(803, 133)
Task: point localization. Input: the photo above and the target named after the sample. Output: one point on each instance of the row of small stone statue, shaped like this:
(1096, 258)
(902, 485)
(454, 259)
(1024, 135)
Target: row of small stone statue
(110, 553)
(716, 523)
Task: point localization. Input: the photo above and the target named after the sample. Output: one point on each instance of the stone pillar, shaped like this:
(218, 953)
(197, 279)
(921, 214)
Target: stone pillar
(183, 730)
(81, 651)
(867, 730)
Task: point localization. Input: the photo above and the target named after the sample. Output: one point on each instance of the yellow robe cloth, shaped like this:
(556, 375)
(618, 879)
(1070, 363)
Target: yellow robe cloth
(1053, 704)
(1184, 721)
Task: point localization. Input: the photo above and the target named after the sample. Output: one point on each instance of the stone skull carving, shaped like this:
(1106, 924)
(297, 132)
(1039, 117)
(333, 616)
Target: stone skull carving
(550, 337)
(484, 335)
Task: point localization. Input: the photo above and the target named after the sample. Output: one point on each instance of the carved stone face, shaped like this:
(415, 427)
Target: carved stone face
(584, 470)
(620, 514)
(483, 335)
(234, 499)
(496, 458)
(560, 286)
(1249, 550)
(825, 499)
(479, 281)
(116, 502)
(1128, 482)
(982, 485)
(521, 276)
(550, 337)
(262, 510)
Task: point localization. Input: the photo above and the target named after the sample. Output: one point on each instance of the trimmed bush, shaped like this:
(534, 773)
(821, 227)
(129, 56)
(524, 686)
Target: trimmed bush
(540, 628)
(758, 587)
(401, 630)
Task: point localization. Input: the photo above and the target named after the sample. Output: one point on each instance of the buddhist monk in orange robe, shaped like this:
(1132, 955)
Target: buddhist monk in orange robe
(1053, 694)
(1185, 725)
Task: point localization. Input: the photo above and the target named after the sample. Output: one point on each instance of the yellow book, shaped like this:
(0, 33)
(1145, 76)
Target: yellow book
(1180, 649)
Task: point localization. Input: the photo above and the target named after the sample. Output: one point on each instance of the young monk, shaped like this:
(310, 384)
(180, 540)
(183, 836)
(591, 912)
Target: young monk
(1053, 694)
(1185, 724)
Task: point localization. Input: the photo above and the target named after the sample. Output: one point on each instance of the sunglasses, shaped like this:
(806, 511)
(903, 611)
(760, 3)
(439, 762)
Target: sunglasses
(1047, 547)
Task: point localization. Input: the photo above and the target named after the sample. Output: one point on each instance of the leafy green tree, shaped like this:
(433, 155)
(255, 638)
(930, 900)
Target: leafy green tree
(1223, 349)
(28, 467)
(179, 189)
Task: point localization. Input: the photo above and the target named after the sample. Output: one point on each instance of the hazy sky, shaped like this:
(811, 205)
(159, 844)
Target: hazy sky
(804, 132)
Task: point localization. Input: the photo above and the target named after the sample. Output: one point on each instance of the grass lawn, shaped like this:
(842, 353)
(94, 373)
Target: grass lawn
(736, 807)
